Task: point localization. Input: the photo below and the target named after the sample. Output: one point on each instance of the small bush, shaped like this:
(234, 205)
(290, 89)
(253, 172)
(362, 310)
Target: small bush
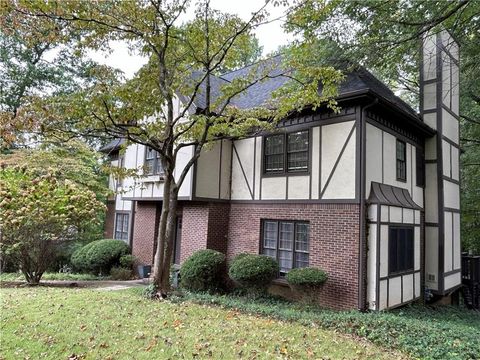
(127, 261)
(120, 273)
(254, 272)
(99, 256)
(307, 277)
(203, 271)
(79, 257)
(307, 282)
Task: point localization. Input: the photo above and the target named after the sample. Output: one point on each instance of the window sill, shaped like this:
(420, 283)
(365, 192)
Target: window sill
(285, 174)
(151, 178)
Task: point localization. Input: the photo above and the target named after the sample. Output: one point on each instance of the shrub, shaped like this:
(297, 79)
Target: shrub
(79, 257)
(254, 272)
(99, 256)
(121, 273)
(63, 255)
(203, 271)
(307, 277)
(127, 261)
(150, 292)
(307, 282)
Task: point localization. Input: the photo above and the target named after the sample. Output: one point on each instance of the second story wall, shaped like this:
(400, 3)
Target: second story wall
(150, 187)
(313, 157)
(381, 160)
(212, 171)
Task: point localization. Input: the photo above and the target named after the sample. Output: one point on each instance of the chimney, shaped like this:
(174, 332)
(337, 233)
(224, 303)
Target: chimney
(439, 107)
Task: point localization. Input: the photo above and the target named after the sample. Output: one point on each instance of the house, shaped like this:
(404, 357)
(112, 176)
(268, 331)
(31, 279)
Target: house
(369, 194)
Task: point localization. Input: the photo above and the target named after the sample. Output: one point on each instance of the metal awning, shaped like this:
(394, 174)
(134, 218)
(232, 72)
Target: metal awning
(391, 195)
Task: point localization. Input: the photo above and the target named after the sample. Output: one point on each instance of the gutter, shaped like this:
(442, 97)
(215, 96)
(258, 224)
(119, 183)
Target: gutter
(362, 264)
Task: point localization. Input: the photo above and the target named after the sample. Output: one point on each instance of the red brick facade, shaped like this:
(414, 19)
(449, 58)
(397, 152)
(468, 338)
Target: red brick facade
(109, 220)
(204, 226)
(235, 228)
(144, 231)
(334, 242)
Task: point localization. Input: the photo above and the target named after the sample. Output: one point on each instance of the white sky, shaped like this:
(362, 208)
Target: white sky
(270, 35)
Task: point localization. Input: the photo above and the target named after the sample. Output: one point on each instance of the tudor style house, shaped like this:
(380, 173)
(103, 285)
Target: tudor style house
(369, 194)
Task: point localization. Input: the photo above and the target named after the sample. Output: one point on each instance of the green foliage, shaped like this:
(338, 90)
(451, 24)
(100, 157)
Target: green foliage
(307, 277)
(79, 257)
(443, 332)
(307, 282)
(120, 273)
(73, 161)
(17, 276)
(62, 254)
(203, 271)
(254, 272)
(150, 292)
(99, 256)
(39, 212)
(127, 261)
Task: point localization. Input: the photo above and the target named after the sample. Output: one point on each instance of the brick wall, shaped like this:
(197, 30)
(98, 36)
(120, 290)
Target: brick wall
(204, 226)
(334, 242)
(194, 229)
(144, 231)
(109, 220)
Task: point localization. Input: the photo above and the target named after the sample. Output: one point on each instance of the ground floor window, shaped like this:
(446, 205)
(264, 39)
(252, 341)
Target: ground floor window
(400, 249)
(121, 226)
(287, 242)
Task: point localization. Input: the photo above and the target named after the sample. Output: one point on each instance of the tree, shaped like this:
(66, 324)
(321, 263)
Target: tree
(35, 59)
(384, 36)
(72, 161)
(183, 60)
(36, 212)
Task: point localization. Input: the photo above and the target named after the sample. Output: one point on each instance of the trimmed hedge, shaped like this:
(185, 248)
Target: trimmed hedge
(203, 271)
(254, 272)
(99, 256)
(308, 277)
(307, 282)
(127, 261)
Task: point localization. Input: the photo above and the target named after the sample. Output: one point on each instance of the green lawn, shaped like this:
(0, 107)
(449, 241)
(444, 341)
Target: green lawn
(52, 276)
(442, 332)
(54, 323)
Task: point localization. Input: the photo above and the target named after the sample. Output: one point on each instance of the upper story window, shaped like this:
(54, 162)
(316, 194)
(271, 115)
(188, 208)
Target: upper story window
(420, 165)
(401, 160)
(287, 152)
(153, 165)
(400, 249)
(287, 242)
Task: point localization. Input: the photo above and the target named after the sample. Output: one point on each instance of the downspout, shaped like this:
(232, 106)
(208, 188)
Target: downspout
(362, 264)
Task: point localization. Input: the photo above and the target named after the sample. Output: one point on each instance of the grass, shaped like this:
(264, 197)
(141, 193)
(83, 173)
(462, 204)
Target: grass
(55, 323)
(422, 332)
(51, 276)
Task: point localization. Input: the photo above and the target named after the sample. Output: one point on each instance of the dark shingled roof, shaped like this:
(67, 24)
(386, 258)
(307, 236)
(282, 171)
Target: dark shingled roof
(112, 146)
(356, 80)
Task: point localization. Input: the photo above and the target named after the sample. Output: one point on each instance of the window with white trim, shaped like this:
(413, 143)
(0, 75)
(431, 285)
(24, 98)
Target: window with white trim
(287, 242)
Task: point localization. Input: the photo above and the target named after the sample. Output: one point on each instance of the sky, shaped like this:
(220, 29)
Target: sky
(270, 35)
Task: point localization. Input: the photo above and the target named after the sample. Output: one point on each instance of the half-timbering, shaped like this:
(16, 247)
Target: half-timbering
(369, 194)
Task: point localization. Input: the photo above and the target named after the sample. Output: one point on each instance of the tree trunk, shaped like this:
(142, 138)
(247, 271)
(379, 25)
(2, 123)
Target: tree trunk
(165, 237)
